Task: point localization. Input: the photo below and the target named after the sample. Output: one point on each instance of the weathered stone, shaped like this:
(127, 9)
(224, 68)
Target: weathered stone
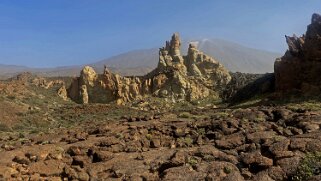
(300, 67)
(280, 149)
(179, 158)
(62, 92)
(176, 77)
(21, 160)
(276, 173)
(155, 143)
(88, 76)
(181, 173)
(261, 136)
(256, 158)
(47, 168)
(289, 165)
(234, 176)
(314, 146)
(231, 141)
(84, 94)
(42, 82)
(299, 143)
(262, 176)
(223, 170)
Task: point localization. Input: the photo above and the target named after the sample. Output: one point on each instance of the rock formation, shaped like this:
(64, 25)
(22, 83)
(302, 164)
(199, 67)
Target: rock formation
(176, 78)
(300, 67)
(62, 92)
(45, 83)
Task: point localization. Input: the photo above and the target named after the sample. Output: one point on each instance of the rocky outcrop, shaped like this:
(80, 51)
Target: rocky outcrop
(62, 92)
(176, 78)
(300, 67)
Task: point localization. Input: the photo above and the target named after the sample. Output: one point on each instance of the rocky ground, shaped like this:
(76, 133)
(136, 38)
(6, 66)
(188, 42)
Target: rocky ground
(255, 143)
(43, 137)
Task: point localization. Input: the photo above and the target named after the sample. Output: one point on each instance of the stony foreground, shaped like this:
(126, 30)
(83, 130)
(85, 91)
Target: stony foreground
(259, 143)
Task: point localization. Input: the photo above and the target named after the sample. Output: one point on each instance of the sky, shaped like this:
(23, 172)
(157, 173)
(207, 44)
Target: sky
(50, 33)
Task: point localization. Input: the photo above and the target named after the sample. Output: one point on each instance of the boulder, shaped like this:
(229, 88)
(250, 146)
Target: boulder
(255, 158)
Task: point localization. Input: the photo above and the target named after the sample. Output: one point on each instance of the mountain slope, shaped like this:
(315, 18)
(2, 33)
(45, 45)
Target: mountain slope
(234, 57)
(238, 58)
(7, 69)
(135, 58)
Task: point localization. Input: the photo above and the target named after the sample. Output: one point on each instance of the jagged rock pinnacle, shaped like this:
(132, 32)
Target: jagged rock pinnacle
(177, 78)
(175, 45)
(316, 18)
(300, 67)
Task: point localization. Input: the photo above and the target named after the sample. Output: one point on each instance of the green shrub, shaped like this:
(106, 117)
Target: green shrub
(149, 136)
(186, 141)
(185, 115)
(192, 161)
(309, 166)
(227, 170)
(201, 131)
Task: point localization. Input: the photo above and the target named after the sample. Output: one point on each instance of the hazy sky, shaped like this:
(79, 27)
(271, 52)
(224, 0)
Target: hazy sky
(45, 33)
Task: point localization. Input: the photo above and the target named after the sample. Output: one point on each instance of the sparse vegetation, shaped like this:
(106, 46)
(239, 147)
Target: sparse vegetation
(310, 166)
(185, 115)
(4, 127)
(201, 131)
(185, 141)
(192, 161)
(227, 170)
(149, 136)
(222, 114)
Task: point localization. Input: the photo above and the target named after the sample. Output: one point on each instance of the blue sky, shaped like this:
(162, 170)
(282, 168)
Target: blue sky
(46, 33)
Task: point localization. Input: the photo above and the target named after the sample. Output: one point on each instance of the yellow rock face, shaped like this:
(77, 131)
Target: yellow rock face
(88, 75)
(177, 78)
(62, 92)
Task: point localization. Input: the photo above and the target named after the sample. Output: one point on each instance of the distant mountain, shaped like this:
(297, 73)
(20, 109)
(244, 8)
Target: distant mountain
(238, 58)
(7, 69)
(235, 57)
(136, 62)
(135, 58)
